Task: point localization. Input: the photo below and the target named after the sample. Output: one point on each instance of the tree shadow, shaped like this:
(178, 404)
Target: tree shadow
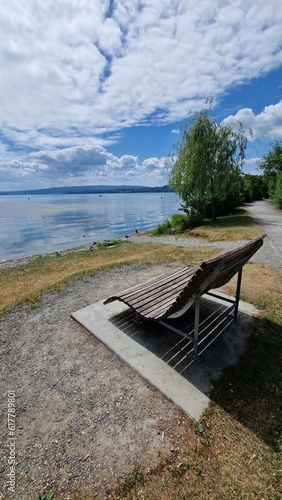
(251, 390)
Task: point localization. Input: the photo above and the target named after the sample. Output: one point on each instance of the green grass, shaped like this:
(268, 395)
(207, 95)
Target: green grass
(237, 226)
(46, 496)
(176, 224)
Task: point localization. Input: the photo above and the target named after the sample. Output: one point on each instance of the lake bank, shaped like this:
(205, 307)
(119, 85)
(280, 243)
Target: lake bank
(266, 255)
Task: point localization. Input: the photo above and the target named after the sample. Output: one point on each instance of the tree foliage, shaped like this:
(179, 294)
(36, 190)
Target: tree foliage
(277, 196)
(271, 164)
(209, 158)
(254, 187)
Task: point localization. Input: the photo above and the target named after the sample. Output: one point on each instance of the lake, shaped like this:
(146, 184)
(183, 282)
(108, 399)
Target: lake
(39, 224)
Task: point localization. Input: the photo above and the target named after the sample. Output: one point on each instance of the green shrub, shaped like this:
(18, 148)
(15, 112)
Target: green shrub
(176, 224)
(277, 196)
(46, 496)
(194, 219)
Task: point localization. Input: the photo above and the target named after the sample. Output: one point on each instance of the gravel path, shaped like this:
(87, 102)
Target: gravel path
(270, 220)
(267, 254)
(83, 418)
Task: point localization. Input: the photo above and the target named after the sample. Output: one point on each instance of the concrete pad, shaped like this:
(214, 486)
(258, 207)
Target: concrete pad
(160, 356)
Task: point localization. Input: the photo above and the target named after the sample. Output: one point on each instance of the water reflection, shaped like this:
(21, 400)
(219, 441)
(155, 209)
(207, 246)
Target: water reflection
(47, 223)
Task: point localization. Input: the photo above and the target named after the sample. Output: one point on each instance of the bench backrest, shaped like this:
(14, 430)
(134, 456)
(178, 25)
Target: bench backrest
(218, 271)
(232, 261)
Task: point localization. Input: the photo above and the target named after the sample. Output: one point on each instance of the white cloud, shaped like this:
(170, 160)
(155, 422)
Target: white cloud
(75, 72)
(82, 165)
(268, 123)
(64, 63)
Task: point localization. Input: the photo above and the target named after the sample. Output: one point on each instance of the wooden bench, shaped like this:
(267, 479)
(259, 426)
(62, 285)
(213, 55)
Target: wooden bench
(170, 295)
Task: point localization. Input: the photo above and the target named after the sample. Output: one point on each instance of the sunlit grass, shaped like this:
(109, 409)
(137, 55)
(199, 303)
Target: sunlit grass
(26, 283)
(238, 226)
(233, 227)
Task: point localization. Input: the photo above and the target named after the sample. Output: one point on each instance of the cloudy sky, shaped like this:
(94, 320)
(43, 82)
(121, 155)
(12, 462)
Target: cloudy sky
(94, 91)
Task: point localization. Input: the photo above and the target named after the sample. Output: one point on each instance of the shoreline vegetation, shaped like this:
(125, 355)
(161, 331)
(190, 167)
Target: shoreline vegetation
(235, 448)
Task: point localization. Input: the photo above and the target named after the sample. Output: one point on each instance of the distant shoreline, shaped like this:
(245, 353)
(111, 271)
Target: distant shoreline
(89, 190)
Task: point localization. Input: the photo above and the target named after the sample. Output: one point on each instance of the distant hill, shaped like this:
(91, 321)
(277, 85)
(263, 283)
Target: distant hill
(91, 189)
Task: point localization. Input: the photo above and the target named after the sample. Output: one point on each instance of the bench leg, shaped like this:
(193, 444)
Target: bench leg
(237, 297)
(195, 354)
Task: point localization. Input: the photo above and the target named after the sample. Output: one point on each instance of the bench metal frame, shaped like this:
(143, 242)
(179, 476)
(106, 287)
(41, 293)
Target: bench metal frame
(231, 310)
(169, 296)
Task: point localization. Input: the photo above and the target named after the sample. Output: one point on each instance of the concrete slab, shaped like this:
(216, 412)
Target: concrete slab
(160, 356)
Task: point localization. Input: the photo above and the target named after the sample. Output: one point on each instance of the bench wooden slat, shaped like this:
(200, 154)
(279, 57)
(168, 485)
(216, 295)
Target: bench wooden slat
(165, 279)
(157, 293)
(172, 287)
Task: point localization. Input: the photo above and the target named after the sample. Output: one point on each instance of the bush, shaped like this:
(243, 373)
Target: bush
(193, 219)
(277, 197)
(177, 224)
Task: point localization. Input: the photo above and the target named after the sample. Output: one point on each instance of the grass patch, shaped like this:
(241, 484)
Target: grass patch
(125, 486)
(112, 243)
(252, 389)
(25, 284)
(238, 226)
(46, 496)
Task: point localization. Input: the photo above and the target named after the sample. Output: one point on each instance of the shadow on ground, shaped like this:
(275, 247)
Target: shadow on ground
(251, 390)
(240, 370)
(221, 343)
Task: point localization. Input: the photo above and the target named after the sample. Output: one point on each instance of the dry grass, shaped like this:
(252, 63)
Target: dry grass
(224, 461)
(26, 283)
(262, 286)
(239, 226)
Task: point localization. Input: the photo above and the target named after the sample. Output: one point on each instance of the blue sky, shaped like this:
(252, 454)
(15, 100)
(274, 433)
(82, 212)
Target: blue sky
(95, 91)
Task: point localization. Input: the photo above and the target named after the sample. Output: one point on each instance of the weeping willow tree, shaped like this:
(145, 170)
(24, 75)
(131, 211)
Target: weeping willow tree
(209, 160)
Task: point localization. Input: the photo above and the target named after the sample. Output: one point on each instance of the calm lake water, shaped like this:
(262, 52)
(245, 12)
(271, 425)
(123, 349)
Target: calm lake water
(35, 225)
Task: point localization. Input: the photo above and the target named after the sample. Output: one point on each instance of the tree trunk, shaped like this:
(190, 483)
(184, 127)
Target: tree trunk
(213, 209)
